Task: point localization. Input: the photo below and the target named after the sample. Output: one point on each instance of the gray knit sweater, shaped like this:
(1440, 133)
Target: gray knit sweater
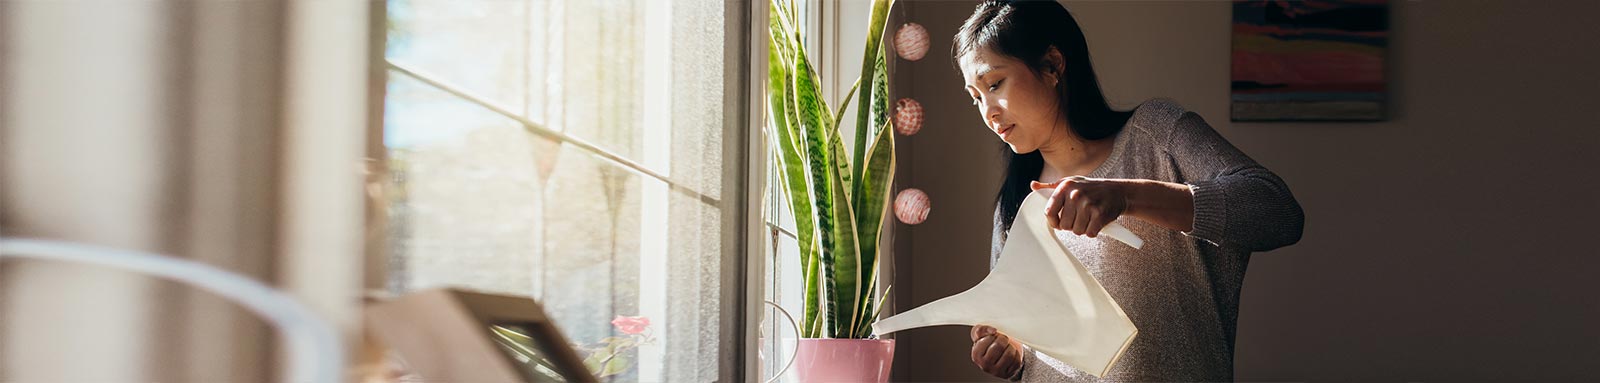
(1182, 289)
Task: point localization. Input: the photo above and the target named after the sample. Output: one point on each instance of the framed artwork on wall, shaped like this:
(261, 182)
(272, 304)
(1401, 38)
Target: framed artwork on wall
(1309, 60)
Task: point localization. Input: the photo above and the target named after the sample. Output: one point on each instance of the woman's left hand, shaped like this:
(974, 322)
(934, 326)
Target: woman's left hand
(1084, 205)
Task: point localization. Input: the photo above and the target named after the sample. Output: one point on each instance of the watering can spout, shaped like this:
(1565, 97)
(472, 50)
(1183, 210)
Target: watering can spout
(1040, 295)
(959, 309)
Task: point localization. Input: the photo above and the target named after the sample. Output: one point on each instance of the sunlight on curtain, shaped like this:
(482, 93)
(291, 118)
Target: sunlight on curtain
(478, 201)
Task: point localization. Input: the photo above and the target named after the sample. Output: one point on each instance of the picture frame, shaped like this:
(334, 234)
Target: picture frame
(453, 335)
(1309, 60)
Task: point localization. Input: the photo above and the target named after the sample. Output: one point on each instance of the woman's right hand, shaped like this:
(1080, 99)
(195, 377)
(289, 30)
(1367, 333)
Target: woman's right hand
(996, 353)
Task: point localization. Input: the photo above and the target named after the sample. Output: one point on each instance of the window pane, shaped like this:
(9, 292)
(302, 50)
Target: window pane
(481, 202)
(783, 284)
(478, 45)
(442, 149)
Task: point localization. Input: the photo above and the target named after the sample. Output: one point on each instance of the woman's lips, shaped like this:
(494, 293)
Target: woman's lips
(1004, 130)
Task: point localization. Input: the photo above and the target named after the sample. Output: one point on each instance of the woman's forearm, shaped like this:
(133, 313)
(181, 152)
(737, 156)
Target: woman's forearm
(1168, 204)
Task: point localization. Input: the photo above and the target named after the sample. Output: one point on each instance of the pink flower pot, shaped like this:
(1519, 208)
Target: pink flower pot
(844, 360)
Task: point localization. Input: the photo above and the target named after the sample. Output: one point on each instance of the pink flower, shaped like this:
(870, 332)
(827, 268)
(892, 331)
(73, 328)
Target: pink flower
(630, 325)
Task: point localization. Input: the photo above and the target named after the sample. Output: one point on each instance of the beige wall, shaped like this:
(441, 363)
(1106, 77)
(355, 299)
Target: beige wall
(1447, 243)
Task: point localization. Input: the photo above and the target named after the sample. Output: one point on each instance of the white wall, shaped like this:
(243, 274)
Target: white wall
(1446, 243)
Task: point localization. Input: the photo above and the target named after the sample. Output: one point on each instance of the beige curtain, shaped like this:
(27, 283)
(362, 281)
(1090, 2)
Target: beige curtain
(228, 132)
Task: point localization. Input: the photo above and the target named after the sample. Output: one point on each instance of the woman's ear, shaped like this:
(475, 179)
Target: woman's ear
(1054, 65)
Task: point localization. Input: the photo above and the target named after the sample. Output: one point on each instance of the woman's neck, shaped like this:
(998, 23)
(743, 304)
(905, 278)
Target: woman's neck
(1073, 156)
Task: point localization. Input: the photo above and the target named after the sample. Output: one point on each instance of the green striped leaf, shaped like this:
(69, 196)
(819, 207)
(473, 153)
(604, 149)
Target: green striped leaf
(869, 58)
(792, 163)
(872, 201)
(880, 93)
(845, 269)
(843, 167)
(875, 308)
(839, 116)
(813, 117)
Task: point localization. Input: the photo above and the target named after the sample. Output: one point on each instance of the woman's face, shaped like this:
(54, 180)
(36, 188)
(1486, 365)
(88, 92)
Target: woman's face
(1016, 104)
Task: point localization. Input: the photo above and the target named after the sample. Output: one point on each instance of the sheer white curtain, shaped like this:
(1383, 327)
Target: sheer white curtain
(231, 133)
(575, 152)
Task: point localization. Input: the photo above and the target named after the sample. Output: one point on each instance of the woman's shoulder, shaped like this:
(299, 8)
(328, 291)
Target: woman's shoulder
(1160, 118)
(1157, 114)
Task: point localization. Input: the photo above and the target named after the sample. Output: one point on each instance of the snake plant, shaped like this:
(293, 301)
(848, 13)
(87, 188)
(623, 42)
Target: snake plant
(838, 195)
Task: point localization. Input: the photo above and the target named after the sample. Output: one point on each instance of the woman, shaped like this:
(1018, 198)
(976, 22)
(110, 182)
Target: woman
(1200, 204)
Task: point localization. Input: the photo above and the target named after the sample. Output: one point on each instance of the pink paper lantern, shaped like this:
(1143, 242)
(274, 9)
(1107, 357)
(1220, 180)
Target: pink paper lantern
(911, 41)
(907, 116)
(911, 206)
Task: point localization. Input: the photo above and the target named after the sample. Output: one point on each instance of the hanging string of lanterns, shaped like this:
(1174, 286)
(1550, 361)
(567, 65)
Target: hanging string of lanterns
(912, 205)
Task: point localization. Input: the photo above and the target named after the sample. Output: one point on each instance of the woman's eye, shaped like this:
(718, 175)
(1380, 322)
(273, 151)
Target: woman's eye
(996, 85)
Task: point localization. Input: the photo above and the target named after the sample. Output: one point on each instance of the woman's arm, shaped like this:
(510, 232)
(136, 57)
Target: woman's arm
(1170, 205)
(1236, 201)
(1230, 201)
(1085, 205)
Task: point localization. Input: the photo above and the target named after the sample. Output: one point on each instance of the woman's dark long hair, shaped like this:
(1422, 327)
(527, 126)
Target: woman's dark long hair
(1026, 30)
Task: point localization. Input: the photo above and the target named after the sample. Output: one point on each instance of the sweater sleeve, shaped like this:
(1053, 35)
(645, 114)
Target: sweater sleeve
(1237, 202)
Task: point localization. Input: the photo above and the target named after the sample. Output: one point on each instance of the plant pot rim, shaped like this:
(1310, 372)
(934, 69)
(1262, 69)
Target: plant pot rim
(846, 340)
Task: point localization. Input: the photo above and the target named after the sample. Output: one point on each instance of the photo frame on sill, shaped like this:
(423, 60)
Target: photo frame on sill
(452, 335)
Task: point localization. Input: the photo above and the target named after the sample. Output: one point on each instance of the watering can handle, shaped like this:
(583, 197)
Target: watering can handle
(1121, 233)
(1114, 230)
(795, 353)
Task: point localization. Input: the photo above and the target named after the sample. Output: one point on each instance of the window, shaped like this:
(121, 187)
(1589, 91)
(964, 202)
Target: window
(574, 152)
